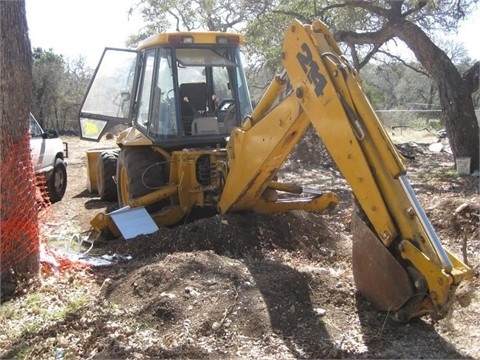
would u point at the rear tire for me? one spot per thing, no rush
(106, 170)
(140, 170)
(57, 183)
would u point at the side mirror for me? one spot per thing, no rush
(50, 134)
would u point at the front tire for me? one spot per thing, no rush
(57, 183)
(140, 171)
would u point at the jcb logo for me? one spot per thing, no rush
(311, 69)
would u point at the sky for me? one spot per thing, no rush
(76, 28)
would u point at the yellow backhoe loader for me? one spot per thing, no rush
(194, 141)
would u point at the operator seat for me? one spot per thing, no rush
(193, 103)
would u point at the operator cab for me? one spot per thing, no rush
(178, 89)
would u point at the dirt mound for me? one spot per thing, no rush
(238, 236)
(456, 220)
(193, 295)
(244, 279)
(280, 285)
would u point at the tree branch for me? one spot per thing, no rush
(361, 4)
(420, 6)
(399, 59)
(293, 14)
(376, 37)
(395, 7)
(370, 54)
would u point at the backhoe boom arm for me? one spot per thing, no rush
(326, 93)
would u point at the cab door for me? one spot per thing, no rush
(109, 97)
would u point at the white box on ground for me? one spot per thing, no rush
(463, 165)
(133, 221)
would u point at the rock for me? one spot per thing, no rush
(191, 292)
(168, 295)
(435, 147)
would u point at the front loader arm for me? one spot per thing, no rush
(399, 263)
(258, 149)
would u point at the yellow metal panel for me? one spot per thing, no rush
(92, 158)
(256, 154)
(154, 196)
(168, 216)
(329, 91)
(103, 222)
(319, 98)
(439, 282)
(328, 200)
(133, 137)
(183, 173)
(269, 97)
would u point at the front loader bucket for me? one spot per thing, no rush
(378, 275)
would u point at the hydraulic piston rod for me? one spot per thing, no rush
(439, 250)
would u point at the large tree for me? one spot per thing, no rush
(367, 27)
(19, 233)
(455, 96)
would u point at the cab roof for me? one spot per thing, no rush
(192, 37)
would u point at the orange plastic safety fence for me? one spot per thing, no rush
(42, 198)
(24, 202)
(19, 231)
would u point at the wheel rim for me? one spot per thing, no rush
(58, 180)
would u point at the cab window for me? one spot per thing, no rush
(35, 129)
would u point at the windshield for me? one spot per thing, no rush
(192, 92)
(202, 57)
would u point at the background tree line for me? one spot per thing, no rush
(58, 87)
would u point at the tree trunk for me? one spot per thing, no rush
(459, 114)
(19, 232)
(472, 77)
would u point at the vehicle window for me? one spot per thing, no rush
(222, 87)
(226, 94)
(243, 93)
(35, 128)
(202, 57)
(146, 88)
(110, 92)
(164, 114)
